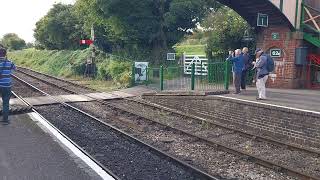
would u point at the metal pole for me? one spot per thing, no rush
(193, 70)
(161, 78)
(302, 16)
(201, 73)
(147, 73)
(133, 78)
(227, 75)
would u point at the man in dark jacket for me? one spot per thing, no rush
(6, 68)
(237, 68)
(247, 65)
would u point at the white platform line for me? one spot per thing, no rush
(94, 166)
(274, 105)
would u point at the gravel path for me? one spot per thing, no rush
(184, 147)
(125, 158)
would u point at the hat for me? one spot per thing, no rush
(258, 50)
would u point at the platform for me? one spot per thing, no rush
(292, 98)
(28, 152)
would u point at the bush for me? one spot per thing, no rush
(120, 71)
(72, 63)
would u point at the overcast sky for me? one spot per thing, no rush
(20, 16)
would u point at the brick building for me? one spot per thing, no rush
(289, 31)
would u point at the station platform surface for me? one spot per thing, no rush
(293, 98)
(27, 152)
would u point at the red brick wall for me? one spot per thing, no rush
(286, 70)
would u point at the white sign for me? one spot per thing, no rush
(171, 56)
(198, 60)
(141, 69)
(275, 52)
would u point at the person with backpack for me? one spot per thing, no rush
(264, 66)
(6, 67)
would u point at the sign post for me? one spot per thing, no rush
(140, 73)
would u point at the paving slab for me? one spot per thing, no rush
(292, 98)
(102, 96)
(29, 153)
(134, 91)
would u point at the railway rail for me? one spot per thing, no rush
(87, 131)
(222, 146)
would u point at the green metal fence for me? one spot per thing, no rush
(198, 77)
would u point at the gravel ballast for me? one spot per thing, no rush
(121, 155)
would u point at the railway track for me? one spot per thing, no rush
(239, 152)
(124, 154)
(292, 160)
(67, 86)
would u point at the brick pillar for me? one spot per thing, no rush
(287, 74)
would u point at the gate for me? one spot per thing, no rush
(195, 74)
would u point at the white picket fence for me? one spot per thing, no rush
(188, 60)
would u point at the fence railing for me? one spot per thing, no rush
(216, 78)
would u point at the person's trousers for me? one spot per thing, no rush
(237, 81)
(244, 79)
(6, 94)
(261, 87)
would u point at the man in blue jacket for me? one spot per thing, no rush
(237, 67)
(6, 68)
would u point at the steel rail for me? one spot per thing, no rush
(65, 136)
(245, 134)
(253, 158)
(47, 82)
(121, 132)
(53, 77)
(258, 160)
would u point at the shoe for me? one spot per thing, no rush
(236, 93)
(260, 99)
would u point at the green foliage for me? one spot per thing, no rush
(227, 29)
(120, 71)
(148, 26)
(60, 29)
(68, 63)
(13, 42)
(190, 49)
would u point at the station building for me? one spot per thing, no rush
(289, 30)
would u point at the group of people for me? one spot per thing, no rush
(242, 63)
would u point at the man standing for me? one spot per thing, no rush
(237, 67)
(247, 65)
(262, 73)
(6, 68)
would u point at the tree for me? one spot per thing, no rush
(59, 29)
(226, 29)
(13, 42)
(149, 25)
(89, 14)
